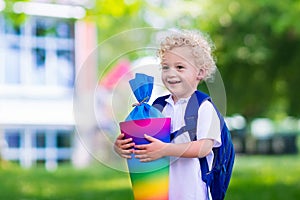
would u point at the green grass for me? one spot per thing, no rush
(265, 177)
(254, 177)
(66, 183)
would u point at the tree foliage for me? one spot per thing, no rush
(113, 17)
(257, 44)
(257, 51)
(15, 18)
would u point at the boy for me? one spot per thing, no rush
(186, 60)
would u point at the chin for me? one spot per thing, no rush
(178, 96)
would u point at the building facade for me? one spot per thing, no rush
(39, 61)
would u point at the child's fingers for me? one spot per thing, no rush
(121, 142)
(127, 145)
(140, 155)
(121, 138)
(125, 141)
(143, 158)
(126, 153)
(141, 146)
(140, 152)
(126, 156)
(149, 138)
(124, 147)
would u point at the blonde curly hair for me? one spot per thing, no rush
(201, 46)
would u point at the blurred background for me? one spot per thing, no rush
(57, 52)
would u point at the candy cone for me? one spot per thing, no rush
(150, 180)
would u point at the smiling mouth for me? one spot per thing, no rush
(173, 82)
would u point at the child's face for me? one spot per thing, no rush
(179, 73)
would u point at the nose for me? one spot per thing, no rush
(171, 72)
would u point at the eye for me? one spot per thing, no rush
(179, 67)
(165, 67)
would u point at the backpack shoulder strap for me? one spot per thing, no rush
(191, 113)
(160, 102)
(203, 161)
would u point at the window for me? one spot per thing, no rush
(13, 138)
(40, 52)
(40, 139)
(12, 29)
(64, 30)
(63, 139)
(47, 146)
(41, 28)
(40, 57)
(12, 68)
(65, 69)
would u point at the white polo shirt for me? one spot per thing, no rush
(185, 182)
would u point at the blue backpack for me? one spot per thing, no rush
(219, 177)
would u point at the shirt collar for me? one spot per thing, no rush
(180, 101)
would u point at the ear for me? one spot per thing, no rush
(201, 74)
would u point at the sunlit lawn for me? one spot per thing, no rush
(66, 183)
(265, 177)
(254, 177)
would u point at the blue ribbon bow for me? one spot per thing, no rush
(142, 86)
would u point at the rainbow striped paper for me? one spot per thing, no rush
(150, 180)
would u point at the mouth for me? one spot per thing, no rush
(173, 82)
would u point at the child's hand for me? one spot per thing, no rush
(124, 147)
(152, 151)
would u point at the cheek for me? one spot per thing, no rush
(162, 77)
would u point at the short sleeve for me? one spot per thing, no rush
(208, 125)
